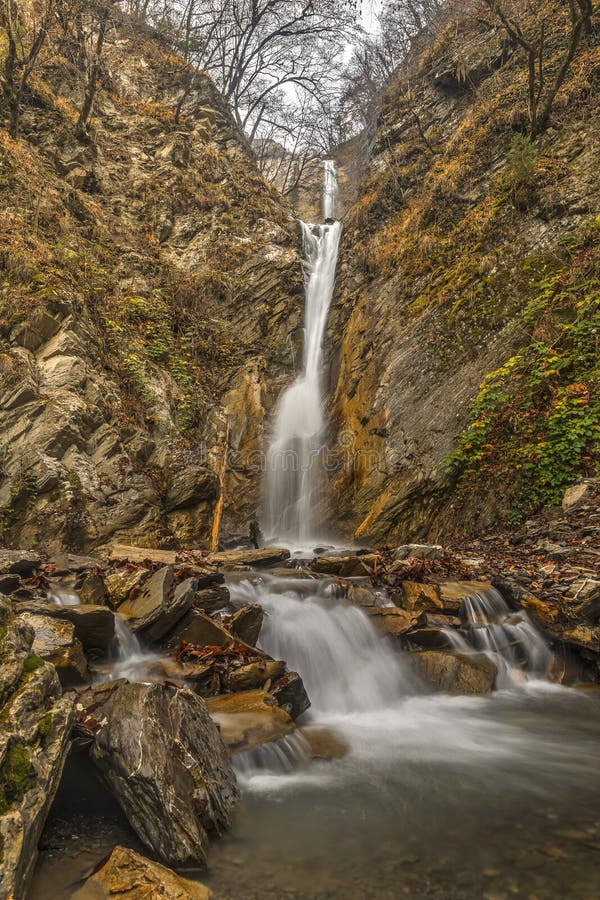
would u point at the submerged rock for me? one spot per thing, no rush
(34, 741)
(163, 759)
(126, 875)
(249, 719)
(456, 673)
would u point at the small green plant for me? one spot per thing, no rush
(16, 775)
(518, 181)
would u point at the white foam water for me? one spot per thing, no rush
(509, 639)
(294, 463)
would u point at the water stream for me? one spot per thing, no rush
(294, 464)
(459, 798)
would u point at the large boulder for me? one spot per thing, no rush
(456, 673)
(94, 625)
(19, 562)
(123, 584)
(126, 875)
(55, 642)
(34, 742)
(157, 608)
(163, 759)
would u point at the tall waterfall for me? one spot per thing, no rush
(294, 464)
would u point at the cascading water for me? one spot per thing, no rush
(131, 659)
(294, 460)
(509, 639)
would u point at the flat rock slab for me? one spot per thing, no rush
(249, 719)
(128, 876)
(142, 554)
(265, 556)
(161, 756)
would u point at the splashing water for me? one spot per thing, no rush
(509, 639)
(294, 464)
(132, 661)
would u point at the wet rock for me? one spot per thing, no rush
(361, 596)
(159, 605)
(249, 719)
(290, 694)
(266, 556)
(254, 675)
(91, 589)
(418, 551)
(120, 585)
(211, 599)
(428, 638)
(246, 623)
(455, 673)
(395, 622)
(128, 876)
(421, 597)
(454, 592)
(94, 625)
(19, 562)
(347, 566)
(161, 756)
(34, 742)
(55, 642)
(197, 628)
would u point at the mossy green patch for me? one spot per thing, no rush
(535, 423)
(16, 776)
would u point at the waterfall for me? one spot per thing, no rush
(509, 639)
(132, 661)
(294, 464)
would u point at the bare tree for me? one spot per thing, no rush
(92, 45)
(26, 31)
(528, 26)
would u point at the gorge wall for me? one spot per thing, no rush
(465, 382)
(149, 281)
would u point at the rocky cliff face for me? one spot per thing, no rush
(465, 380)
(149, 279)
